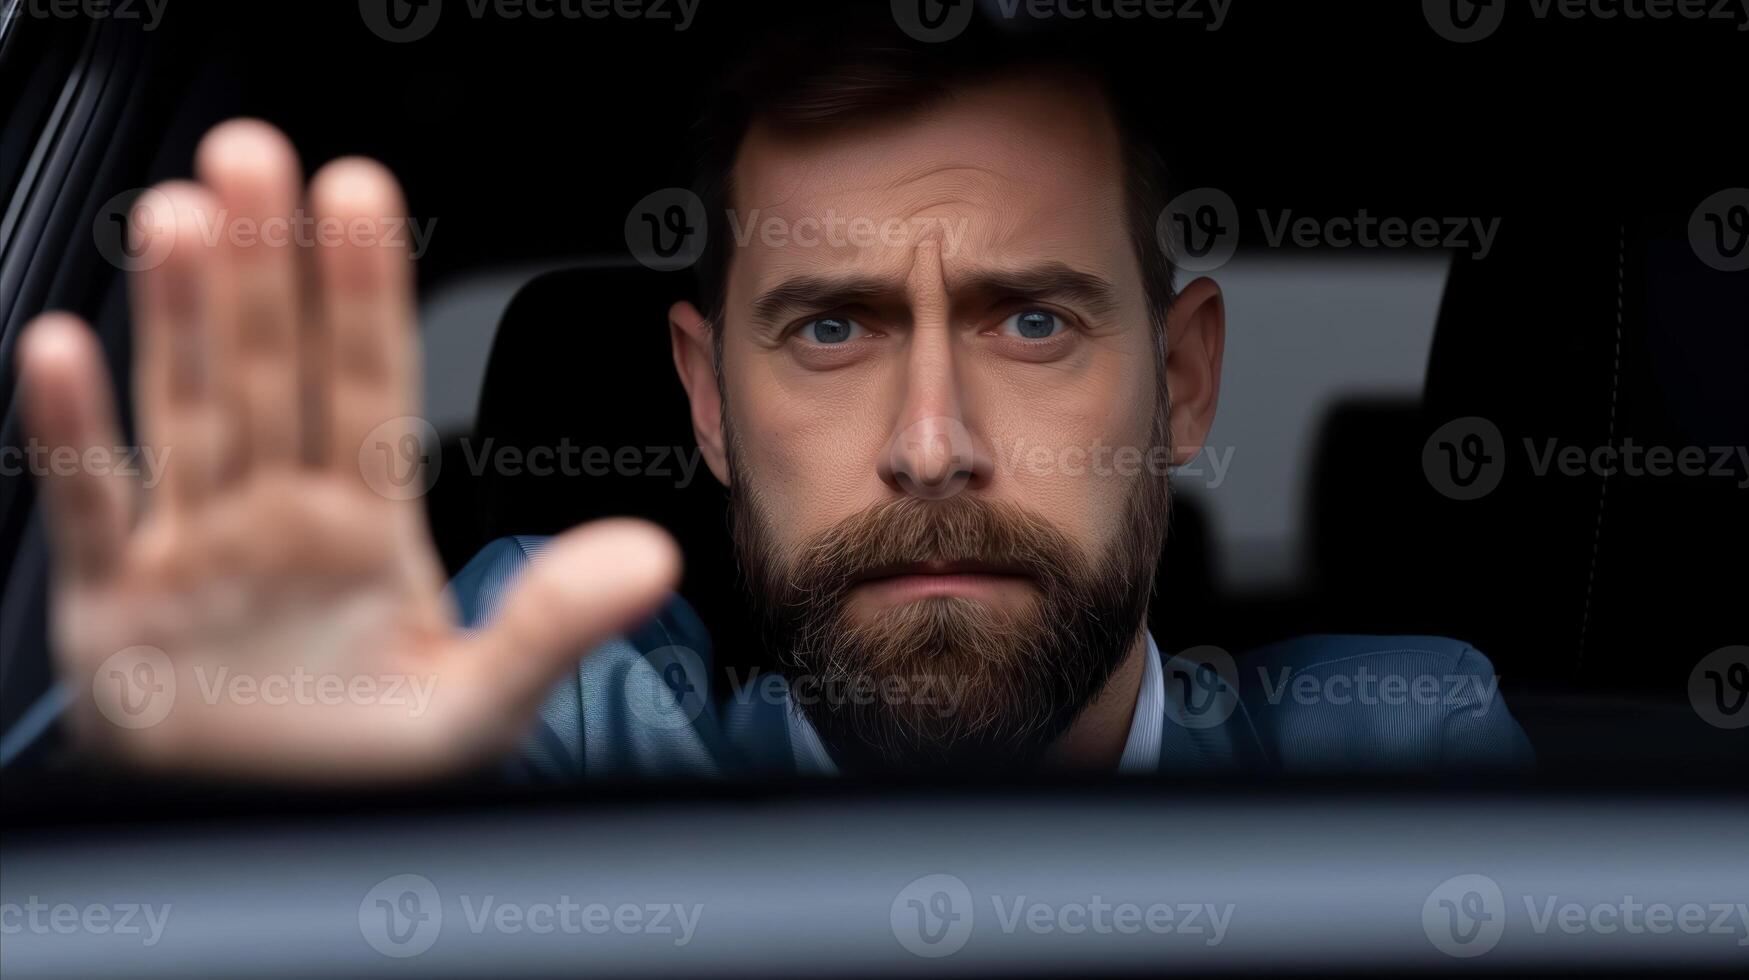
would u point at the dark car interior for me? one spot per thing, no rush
(1592, 321)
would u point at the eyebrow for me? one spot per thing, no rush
(816, 293)
(1044, 281)
(1050, 280)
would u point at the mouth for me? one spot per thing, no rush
(912, 581)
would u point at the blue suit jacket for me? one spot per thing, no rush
(640, 706)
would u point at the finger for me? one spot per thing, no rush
(366, 283)
(70, 413)
(591, 583)
(253, 171)
(177, 390)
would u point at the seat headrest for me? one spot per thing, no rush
(1581, 332)
(584, 415)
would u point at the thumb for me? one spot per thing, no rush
(591, 583)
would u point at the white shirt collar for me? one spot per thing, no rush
(1141, 751)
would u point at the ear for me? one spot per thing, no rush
(1196, 337)
(695, 361)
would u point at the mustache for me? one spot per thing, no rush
(962, 529)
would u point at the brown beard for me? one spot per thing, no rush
(948, 682)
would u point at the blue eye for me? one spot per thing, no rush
(1033, 324)
(831, 330)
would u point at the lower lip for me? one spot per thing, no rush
(971, 585)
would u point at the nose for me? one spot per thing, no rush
(932, 453)
(932, 457)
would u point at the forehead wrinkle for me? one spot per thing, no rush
(968, 174)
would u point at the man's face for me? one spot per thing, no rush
(915, 364)
(944, 428)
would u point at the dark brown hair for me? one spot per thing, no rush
(812, 79)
